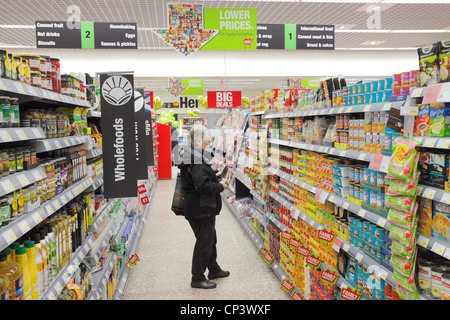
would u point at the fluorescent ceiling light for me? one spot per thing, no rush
(390, 31)
(375, 49)
(424, 2)
(17, 26)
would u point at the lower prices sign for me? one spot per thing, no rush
(224, 99)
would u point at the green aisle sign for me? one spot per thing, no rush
(290, 36)
(237, 28)
(87, 35)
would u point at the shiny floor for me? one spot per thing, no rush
(165, 252)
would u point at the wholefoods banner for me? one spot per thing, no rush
(140, 131)
(119, 143)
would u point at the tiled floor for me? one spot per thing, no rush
(165, 252)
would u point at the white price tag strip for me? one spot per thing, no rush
(9, 236)
(359, 257)
(423, 241)
(362, 212)
(443, 143)
(438, 248)
(445, 198)
(24, 227)
(346, 247)
(429, 193)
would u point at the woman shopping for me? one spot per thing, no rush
(202, 202)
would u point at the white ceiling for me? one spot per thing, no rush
(404, 25)
(150, 14)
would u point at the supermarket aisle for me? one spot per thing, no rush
(165, 252)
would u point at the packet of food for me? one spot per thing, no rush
(401, 165)
(444, 60)
(402, 234)
(406, 282)
(403, 249)
(428, 65)
(400, 202)
(403, 265)
(401, 218)
(405, 294)
(405, 187)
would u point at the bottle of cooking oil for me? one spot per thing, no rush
(21, 257)
(14, 246)
(4, 287)
(67, 237)
(32, 268)
(14, 272)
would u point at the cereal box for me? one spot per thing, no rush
(425, 216)
(439, 120)
(423, 120)
(440, 227)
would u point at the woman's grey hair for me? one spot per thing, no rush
(198, 134)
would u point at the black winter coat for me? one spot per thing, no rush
(201, 187)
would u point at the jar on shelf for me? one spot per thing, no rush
(14, 112)
(35, 78)
(6, 112)
(44, 80)
(18, 153)
(33, 61)
(4, 103)
(11, 66)
(12, 161)
(3, 59)
(55, 74)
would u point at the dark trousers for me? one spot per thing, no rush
(205, 252)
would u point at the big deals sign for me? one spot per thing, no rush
(224, 99)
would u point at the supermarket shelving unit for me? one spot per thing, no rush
(408, 109)
(92, 246)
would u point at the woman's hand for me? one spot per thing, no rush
(225, 185)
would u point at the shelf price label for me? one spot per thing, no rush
(432, 93)
(321, 196)
(379, 163)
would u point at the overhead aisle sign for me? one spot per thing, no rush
(295, 37)
(90, 35)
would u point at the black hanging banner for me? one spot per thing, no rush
(148, 95)
(119, 143)
(141, 138)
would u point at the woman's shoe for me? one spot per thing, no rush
(205, 284)
(221, 274)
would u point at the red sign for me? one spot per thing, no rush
(224, 99)
(142, 189)
(303, 251)
(286, 235)
(432, 93)
(294, 242)
(349, 294)
(325, 235)
(144, 200)
(286, 285)
(297, 296)
(329, 276)
(313, 261)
